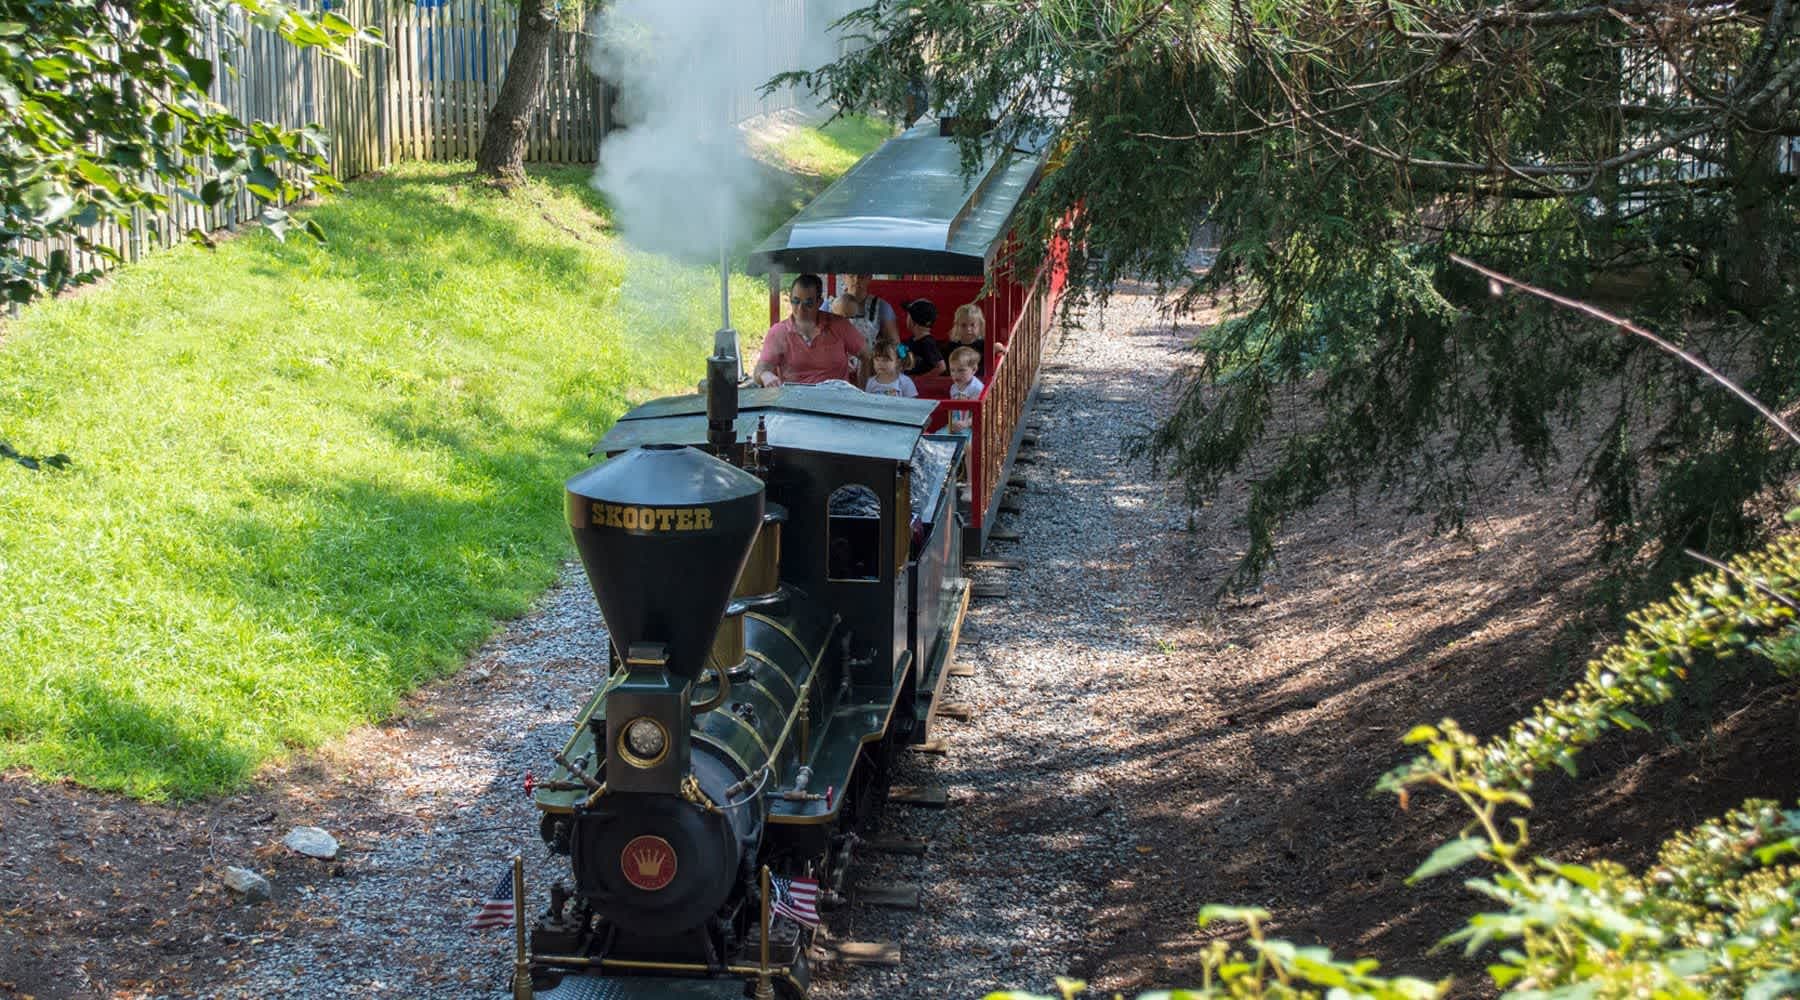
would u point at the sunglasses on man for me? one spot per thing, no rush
(802, 303)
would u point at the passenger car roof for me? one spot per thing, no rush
(828, 419)
(906, 208)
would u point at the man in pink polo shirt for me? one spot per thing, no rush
(809, 346)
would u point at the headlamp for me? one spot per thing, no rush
(644, 742)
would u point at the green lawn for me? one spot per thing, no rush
(827, 151)
(307, 478)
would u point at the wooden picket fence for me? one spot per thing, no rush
(424, 95)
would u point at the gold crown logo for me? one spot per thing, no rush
(649, 862)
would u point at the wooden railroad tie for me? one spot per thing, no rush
(929, 746)
(1009, 504)
(1003, 535)
(894, 897)
(959, 710)
(991, 589)
(962, 669)
(858, 952)
(1017, 481)
(918, 795)
(993, 564)
(1028, 440)
(1025, 458)
(909, 846)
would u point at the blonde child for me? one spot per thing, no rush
(969, 329)
(963, 385)
(886, 380)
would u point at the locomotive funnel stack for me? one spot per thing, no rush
(721, 393)
(663, 532)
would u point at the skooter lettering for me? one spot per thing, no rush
(652, 519)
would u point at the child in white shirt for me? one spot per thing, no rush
(963, 385)
(887, 380)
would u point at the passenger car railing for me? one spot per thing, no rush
(1001, 406)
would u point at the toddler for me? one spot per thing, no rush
(963, 385)
(886, 379)
(969, 329)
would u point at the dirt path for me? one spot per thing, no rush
(1137, 751)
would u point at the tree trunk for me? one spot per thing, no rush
(1752, 259)
(502, 155)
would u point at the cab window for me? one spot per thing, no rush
(853, 534)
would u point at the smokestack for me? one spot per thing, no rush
(722, 393)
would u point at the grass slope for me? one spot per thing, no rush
(308, 478)
(823, 152)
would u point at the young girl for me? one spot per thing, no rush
(887, 380)
(969, 329)
(963, 385)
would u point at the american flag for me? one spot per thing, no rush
(796, 899)
(497, 908)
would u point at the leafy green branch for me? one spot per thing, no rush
(1749, 605)
(106, 114)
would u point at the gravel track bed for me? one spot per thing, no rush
(1034, 834)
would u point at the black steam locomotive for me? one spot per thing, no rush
(780, 571)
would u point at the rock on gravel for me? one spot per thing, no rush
(312, 842)
(246, 883)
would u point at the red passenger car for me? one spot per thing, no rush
(908, 214)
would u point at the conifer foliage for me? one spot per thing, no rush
(1371, 166)
(1630, 150)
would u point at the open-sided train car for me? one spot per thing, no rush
(780, 572)
(909, 215)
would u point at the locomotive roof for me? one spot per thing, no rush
(832, 420)
(906, 208)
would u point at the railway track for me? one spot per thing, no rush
(990, 586)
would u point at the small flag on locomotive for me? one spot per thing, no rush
(796, 899)
(499, 908)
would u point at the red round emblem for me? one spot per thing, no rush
(648, 862)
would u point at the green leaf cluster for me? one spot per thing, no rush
(106, 115)
(1751, 606)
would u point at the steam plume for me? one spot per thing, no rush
(678, 175)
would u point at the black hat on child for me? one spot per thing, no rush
(922, 311)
